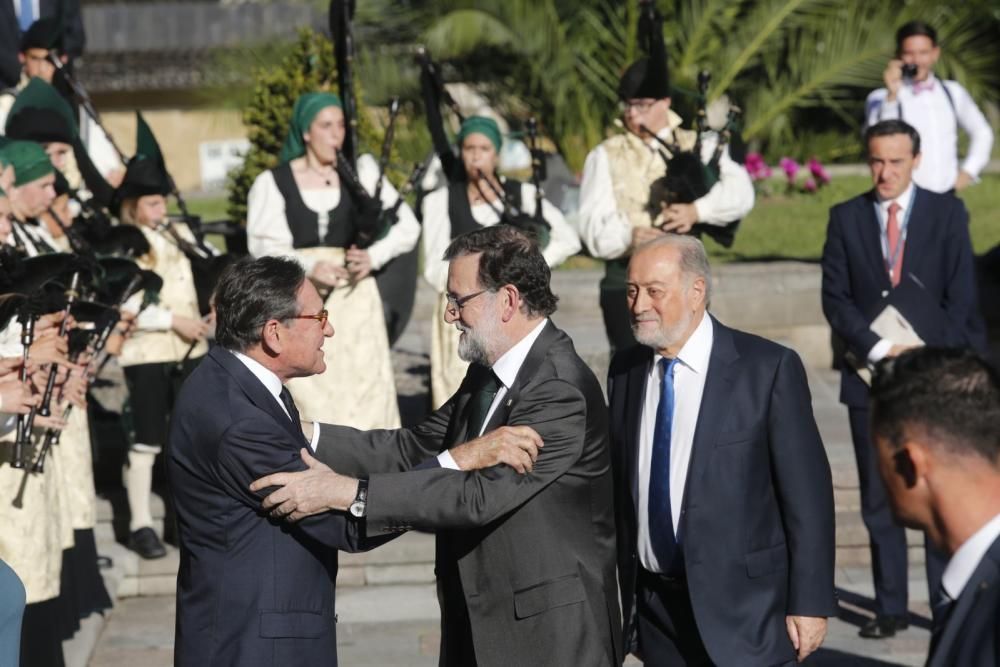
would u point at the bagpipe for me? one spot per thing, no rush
(688, 178)
(86, 291)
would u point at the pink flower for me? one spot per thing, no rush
(809, 185)
(756, 166)
(790, 167)
(818, 172)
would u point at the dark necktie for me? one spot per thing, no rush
(660, 518)
(941, 612)
(479, 404)
(293, 413)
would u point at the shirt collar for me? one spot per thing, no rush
(508, 365)
(965, 561)
(266, 376)
(696, 351)
(903, 200)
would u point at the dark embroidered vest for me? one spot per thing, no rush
(460, 211)
(341, 228)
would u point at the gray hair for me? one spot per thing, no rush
(694, 259)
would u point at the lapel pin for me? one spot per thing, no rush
(509, 402)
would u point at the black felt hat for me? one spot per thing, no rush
(41, 114)
(45, 33)
(648, 77)
(143, 177)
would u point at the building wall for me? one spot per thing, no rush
(180, 133)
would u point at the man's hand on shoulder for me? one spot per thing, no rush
(807, 634)
(516, 446)
(301, 494)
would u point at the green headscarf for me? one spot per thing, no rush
(29, 160)
(481, 125)
(305, 110)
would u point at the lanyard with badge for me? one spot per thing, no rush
(890, 259)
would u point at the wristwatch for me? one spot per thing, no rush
(360, 504)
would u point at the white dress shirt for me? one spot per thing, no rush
(689, 385)
(606, 231)
(964, 562)
(506, 369)
(905, 201)
(930, 112)
(563, 241)
(273, 385)
(268, 233)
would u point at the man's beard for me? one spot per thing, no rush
(664, 336)
(475, 345)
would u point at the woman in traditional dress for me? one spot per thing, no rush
(465, 205)
(305, 209)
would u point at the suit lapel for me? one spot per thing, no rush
(871, 240)
(985, 577)
(549, 336)
(635, 401)
(254, 389)
(917, 233)
(716, 402)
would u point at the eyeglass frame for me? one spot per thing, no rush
(455, 304)
(641, 107)
(322, 317)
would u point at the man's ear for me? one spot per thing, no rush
(272, 338)
(511, 302)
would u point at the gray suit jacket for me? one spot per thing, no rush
(525, 563)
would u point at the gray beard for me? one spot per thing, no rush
(472, 348)
(664, 336)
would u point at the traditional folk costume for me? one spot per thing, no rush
(358, 387)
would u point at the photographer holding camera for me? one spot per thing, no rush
(935, 108)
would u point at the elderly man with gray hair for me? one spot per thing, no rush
(724, 500)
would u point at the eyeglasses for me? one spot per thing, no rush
(642, 106)
(321, 317)
(456, 303)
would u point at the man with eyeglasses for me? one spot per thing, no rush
(250, 591)
(525, 561)
(614, 216)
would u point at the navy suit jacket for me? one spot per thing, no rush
(251, 591)
(757, 519)
(10, 35)
(971, 636)
(937, 256)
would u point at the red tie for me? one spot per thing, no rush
(895, 244)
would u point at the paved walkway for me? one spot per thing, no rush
(398, 624)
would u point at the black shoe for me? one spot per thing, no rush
(145, 543)
(883, 627)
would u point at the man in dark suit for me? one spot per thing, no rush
(723, 490)
(525, 562)
(907, 247)
(935, 420)
(17, 16)
(252, 591)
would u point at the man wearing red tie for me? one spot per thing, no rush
(907, 248)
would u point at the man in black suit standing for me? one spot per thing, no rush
(252, 591)
(724, 496)
(902, 246)
(525, 562)
(935, 419)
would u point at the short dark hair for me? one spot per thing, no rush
(509, 257)
(914, 29)
(251, 292)
(886, 128)
(951, 396)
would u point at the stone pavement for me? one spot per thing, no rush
(396, 623)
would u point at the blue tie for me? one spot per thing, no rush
(661, 523)
(27, 15)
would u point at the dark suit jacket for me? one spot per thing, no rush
(251, 591)
(757, 519)
(937, 254)
(971, 636)
(531, 556)
(10, 35)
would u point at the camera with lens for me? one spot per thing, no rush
(909, 70)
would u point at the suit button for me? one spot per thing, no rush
(885, 293)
